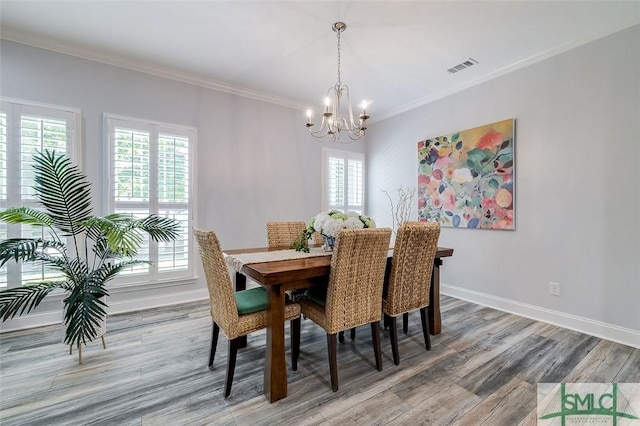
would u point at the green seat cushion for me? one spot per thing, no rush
(317, 294)
(252, 300)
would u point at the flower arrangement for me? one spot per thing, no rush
(329, 225)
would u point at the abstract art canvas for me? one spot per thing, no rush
(466, 179)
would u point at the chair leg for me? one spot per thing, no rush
(234, 344)
(104, 343)
(79, 353)
(425, 328)
(377, 348)
(341, 336)
(353, 333)
(405, 322)
(333, 360)
(214, 343)
(295, 343)
(393, 334)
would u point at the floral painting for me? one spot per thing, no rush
(465, 179)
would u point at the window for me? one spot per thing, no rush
(150, 166)
(25, 129)
(343, 180)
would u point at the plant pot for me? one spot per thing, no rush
(102, 330)
(329, 242)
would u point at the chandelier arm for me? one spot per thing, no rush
(351, 122)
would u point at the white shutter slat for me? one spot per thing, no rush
(25, 130)
(151, 171)
(343, 186)
(3, 187)
(37, 134)
(335, 181)
(3, 160)
(173, 169)
(175, 255)
(131, 165)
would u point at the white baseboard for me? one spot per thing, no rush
(32, 320)
(55, 316)
(157, 301)
(600, 329)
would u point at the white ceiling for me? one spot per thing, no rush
(394, 53)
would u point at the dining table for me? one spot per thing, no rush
(280, 269)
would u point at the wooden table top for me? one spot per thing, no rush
(291, 270)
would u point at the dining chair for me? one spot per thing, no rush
(237, 313)
(283, 234)
(353, 295)
(407, 288)
(317, 238)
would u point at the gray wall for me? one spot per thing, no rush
(577, 187)
(577, 154)
(255, 161)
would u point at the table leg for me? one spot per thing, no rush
(435, 320)
(275, 368)
(240, 283)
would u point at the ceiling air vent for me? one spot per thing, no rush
(466, 64)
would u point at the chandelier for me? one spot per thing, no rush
(338, 119)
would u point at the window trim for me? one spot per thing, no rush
(153, 277)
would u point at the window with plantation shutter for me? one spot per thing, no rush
(25, 129)
(151, 173)
(343, 181)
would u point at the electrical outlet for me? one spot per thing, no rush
(554, 289)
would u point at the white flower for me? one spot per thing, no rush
(331, 224)
(320, 220)
(354, 223)
(332, 228)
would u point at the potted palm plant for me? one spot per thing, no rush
(84, 251)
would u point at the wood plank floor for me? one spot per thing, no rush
(482, 369)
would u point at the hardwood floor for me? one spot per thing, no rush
(482, 369)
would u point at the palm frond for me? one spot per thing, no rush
(63, 190)
(26, 216)
(19, 249)
(124, 241)
(28, 249)
(101, 249)
(85, 310)
(159, 228)
(97, 227)
(75, 269)
(118, 231)
(20, 300)
(107, 272)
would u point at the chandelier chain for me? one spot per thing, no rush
(339, 80)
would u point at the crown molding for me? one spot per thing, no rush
(18, 36)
